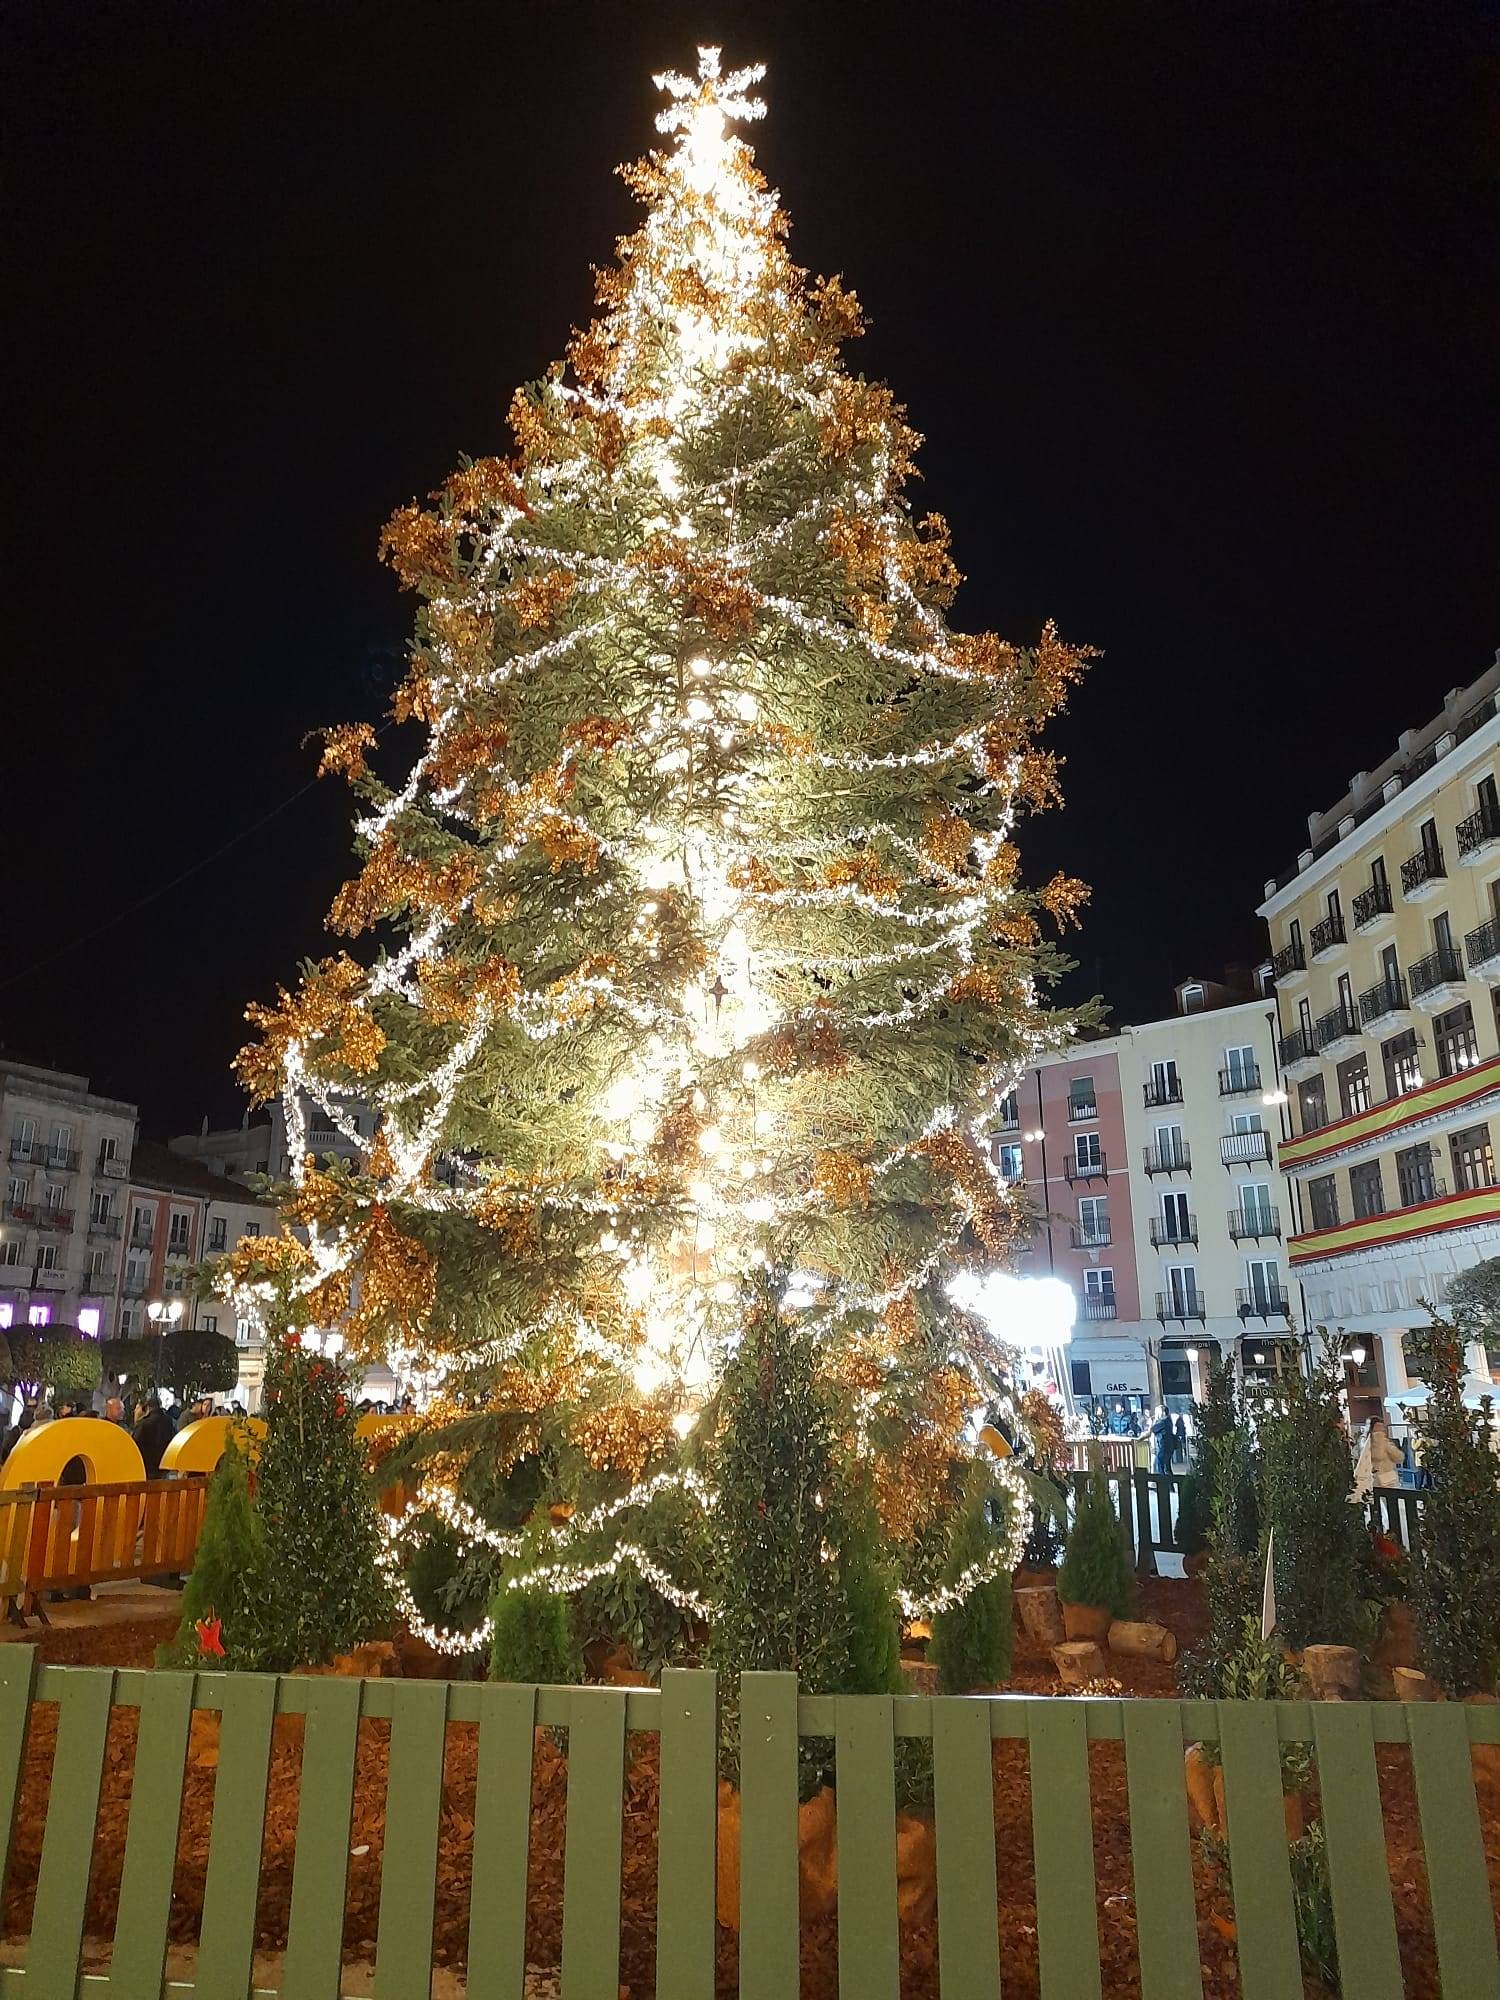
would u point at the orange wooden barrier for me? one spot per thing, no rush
(81, 1535)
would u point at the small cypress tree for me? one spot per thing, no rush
(971, 1642)
(1307, 1478)
(225, 1583)
(322, 1592)
(1095, 1568)
(869, 1592)
(1455, 1574)
(534, 1638)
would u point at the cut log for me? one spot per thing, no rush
(1147, 1641)
(1413, 1685)
(916, 1867)
(1087, 1621)
(1041, 1614)
(1079, 1661)
(1332, 1672)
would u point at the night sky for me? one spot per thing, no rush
(1194, 304)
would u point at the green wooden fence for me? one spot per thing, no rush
(1057, 1734)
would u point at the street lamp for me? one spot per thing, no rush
(170, 1310)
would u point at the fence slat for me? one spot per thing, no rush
(320, 1872)
(17, 1680)
(687, 1832)
(408, 1855)
(769, 1938)
(964, 1812)
(591, 1855)
(1067, 1930)
(1462, 1925)
(140, 1954)
(68, 1843)
(1265, 1926)
(502, 1839)
(1363, 1920)
(231, 1886)
(869, 1928)
(1161, 1857)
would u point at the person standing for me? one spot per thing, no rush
(1161, 1441)
(1179, 1441)
(153, 1432)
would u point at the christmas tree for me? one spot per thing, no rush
(700, 943)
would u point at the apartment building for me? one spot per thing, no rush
(1386, 953)
(1150, 1155)
(258, 1144)
(67, 1153)
(180, 1214)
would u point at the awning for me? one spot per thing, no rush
(1125, 1376)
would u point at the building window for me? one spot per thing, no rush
(1365, 1191)
(1432, 849)
(24, 1142)
(18, 1192)
(10, 1252)
(1240, 1069)
(53, 1197)
(1354, 1086)
(1455, 1041)
(1312, 1104)
(1403, 1066)
(141, 1227)
(1192, 999)
(1323, 1202)
(46, 1256)
(62, 1142)
(252, 1229)
(1378, 878)
(1086, 1150)
(217, 1233)
(1010, 1112)
(1415, 1177)
(127, 1322)
(1176, 1223)
(179, 1230)
(1473, 1158)
(1081, 1100)
(1093, 1219)
(1182, 1290)
(1304, 1021)
(1294, 938)
(210, 1322)
(1255, 1207)
(99, 1207)
(1009, 1160)
(39, 1315)
(1099, 1283)
(1262, 1283)
(97, 1261)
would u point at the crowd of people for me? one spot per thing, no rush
(153, 1424)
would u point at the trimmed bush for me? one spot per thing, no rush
(1095, 1568)
(971, 1642)
(225, 1579)
(534, 1638)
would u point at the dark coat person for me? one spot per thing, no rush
(152, 1435)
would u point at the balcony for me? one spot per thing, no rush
(54, 1218)
(1245, 1149)
(99, 1284)
(1326, 940)
(1385, 1008)
(136, 1284)
(1176, 1159)
(20, 1211)
(24, 1151)
(109, 1168)
(1265, 1302)
(178, 1247)
(1337, 1033)
(1288, 965)
(49, 1280)
(141, 1239)
(1423, 874)
(104, 1225)
(1098, 1305)
(1436, 981)
(1477, 836)
(1079, 1111)
(1168, 1233)
(60, 1159)
(1180, 1305)
(1239, 1082)
(1299, 1054)
(1162, 1090)
(1371, 909)
(1482, 950)
(1075, 1170)
(1092, 1239)
(1255, 1225)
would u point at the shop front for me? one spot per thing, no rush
(1111, 1387)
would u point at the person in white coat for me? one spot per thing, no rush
(1379, 1461)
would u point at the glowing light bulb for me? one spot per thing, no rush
(750, 1071)
(746, 707)
(701, 668)
(710, 1140)
(623, 1097)
(685, 1422)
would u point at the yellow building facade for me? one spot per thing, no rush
(1385, 945)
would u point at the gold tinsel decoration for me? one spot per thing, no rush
(1062, 899)
(842, 1179)
(863, 872)
(417, 546)
(487, 483)
(535, 601)
(462, 752)
(984, 986)
(324, 1009)
(398, 1284)
(454, 992)
(603, 734)
(945, 840)
(926, 564)
(344, 748)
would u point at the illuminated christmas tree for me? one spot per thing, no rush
(700, 941)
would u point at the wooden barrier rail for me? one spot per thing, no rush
(862, 1732)
(69, 1537)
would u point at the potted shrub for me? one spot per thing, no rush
(1094, 1584)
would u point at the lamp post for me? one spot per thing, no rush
(164, 1315)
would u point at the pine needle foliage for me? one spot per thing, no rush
(1307, 1482)
(226, 1577)
(971, 1641)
